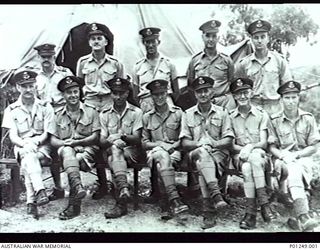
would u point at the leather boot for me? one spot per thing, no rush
(216, 196)
(307, 223)
(70, 212)
(267, 213)
(56, 194)
(75, 183)
(124, 194)
(117, 211)
(42, 198)
(248, 221)
(263, 201)
(33, 210)
(209, 220)
(177, 206)
(219, 201)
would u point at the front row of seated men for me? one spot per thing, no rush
(206, 133)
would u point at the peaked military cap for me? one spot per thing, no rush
(25, 76)
(157, 86)
(45, 49)
(210, 26)
(150, 33)
(118, 84)
(259, 26)
(290, 86)
(97, 29)
(202, 82)
(70, 81)
(240, 84)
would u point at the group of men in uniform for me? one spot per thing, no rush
(236, 120)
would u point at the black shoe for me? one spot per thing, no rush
(178, 207)
(188, 193)
(42, 198)
(307, 223)
(248, 221)
(56, 194)
(80, 192)
(33, 210)
(266, 213)
(116, 212)
(100, 193)
(219, 201)
(285, 199)
(124, 194)
(152, 197)
(209, 220)
(70, 212)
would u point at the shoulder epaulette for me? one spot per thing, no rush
(140, 60)
(84, 57)
(14, 105)
(276, 115)
(58, 110)
(106, 110)
(61, 68)
(113, 58)
(90, 105)
(197, 54)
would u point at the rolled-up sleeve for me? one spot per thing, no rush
(185, 129)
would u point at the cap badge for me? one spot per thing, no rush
(25, 75)
(118, 82)
(94, 26)
(201, 81)
(148, 32)
(259, 24)
(157, 85)
(68, 80)
(291, 85)
(239, 82)
(213, 24)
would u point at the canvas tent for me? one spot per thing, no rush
(24, 27)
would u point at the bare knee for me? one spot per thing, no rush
(117, 153)
(246, 170)
(67, 152)
(201, 154)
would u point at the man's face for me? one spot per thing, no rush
(160, 98)
(290, 101)
(260, 40)
(27, 90)
(72, 95)
(97, 42)
(243, 97)
(119, 97)
(151, 45)
(203, 95)
(47, 60)
(210, 39)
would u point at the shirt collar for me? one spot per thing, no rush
(64, 110)
(253, 110)
(254, 58)
(212, 109)
(300, 114)
(171, 109)
(91, 58)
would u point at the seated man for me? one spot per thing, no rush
(206, 133)
(75, 137)
(29, 122)
(160, 137)
(293, 141)
(121, 126)
(250, 127)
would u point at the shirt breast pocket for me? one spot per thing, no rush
(220, 71)
(22, 124)
(64, 130)
(163, 73)
(38, 122)
(89, 75)
(109, 73)
(200, 70)
(285, 137)
(173, 130)
(272, 75)
(195, 127)
(127, 127)
(254, 136)
(215, 127)
(84, 127)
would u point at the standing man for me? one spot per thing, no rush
(250, 127)
(293, 141)
(97, 68)
(267, 69)
(153, 66)
(121, 126)
(160, 137)
(207, 134)
(30, 124)
(47, 82)
(76, 137)
(213, 64)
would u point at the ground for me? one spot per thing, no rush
(145, 219)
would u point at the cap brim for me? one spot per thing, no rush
(26, 81)
(151, 37)
(46, 53)
(118, 89)
(97, 32)
(289, 91)
(158, 91)
(211, 30)
(259, 30)
(203, 86)
(241, 88)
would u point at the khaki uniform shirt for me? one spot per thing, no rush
(17, 117)
(302, 133)
(195, 126)
(87, 123)
(158, 128)
(95, 75)
(220, 68)
(247, 129)
(47, 85)
(267, 77)
(144, 73)
(128, 122)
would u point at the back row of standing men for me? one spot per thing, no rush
(207, 132)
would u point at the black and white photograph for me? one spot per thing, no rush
(196, 118)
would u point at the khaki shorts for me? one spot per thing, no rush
(175, 157)
(131, 153)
